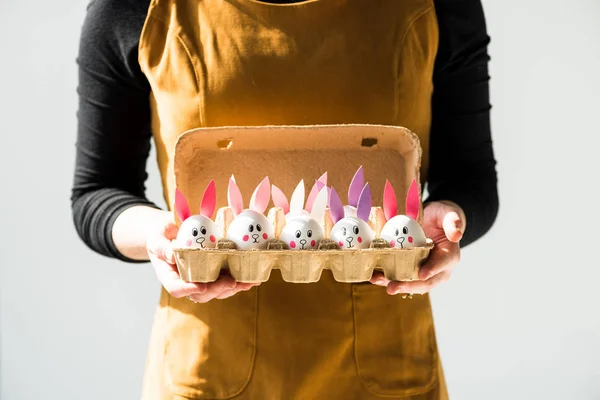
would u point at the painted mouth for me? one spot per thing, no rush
(200, 241)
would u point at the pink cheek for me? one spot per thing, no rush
(265, 236)
(392, 243)
(188, 243)
(359, 239)
(312, 243)
(410, 239)
(245, 238)
(341, 243)
(212, 238)
(293, 244)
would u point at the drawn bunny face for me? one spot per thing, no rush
(352, 232)
(197, 231)
(250, 229)
(402, 231)
(303, 230)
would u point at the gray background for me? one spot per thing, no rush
(518, 320)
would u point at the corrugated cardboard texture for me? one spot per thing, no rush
(287, 154)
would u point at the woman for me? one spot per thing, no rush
(157, 69)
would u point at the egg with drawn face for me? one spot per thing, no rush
(352, 233)
(302, 233)
(250, 230)
(403, 232)
(198, 232)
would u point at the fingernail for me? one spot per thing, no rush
(398, 290)
(230, 285)
(202, 288)
(379, 281)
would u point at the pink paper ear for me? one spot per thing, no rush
(319, 184)
(412, 201)
(209, 200)
(279, 199)
(390, 204)
(182, 207)
(335, 206)
(356, 187)
(234, 197)
(261, 196)
(363, 208)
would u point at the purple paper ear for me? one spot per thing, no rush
(390, 204)
(412, 201)
(209, 200)
(279, 199)
(335, 206)
(356, 187)
(182, 207)
(234, 197)
(363, 209)
(261, 196)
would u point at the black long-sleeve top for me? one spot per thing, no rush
(114, 120)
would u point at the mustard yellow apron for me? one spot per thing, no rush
(243, 62)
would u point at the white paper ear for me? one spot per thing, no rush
(297, 200)
(318, 208)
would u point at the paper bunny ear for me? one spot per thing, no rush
(261, 196)
(356, 187)
(182, 208)
(318, 208)
(234, 197)
(209, 200)
(390, 204)
(279, 199)
(335, 206)
(297, 200)
(363, 208)
(319, 184)
(412, 201)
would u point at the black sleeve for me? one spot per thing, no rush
(462, 165)
(113, 134)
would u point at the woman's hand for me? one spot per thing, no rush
(159, 247)
(444, 223)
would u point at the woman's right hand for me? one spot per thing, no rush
(160, 251)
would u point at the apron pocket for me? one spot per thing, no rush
(395, 348)
(210, 347)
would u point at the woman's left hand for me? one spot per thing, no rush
(444, 223)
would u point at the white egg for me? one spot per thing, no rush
(250, 230)
(352, 233)
(302, 233)
(403, 232)
(198, 232)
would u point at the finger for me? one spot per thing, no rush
(214, 289)
(168, 276)
(453, 226)
(379, 279)
(442, 257)
(161, 247)
(418, 287)
(240, 287)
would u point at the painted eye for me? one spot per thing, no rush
(203, 230)
(250, 228)
(396, 232)
(309, 233)
(298, 234)
(344, 231)
(194, 232)
(405, 230)
(258, 227)
(355, 230)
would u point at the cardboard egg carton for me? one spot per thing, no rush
(287, 154)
